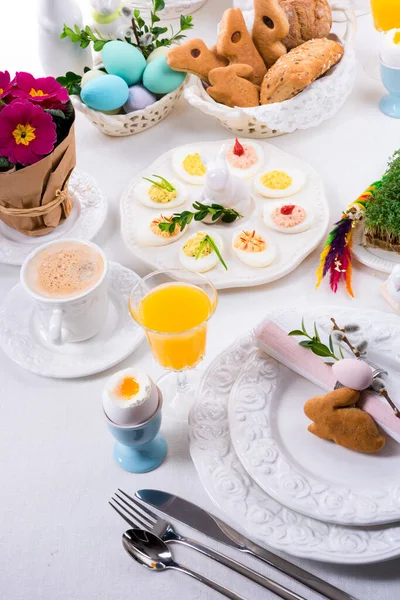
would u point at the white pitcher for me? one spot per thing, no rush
(59, 56)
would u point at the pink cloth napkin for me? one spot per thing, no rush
(275, 341)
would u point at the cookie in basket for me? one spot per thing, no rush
(235, 43)
(271, 26)
(194, 57)
(294, 71)
(231, 86)
(336, 417)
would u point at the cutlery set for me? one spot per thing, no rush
(150, 535)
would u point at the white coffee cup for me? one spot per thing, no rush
(76, 318)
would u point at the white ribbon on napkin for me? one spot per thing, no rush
(275, 341)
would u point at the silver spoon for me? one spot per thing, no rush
(150, 551)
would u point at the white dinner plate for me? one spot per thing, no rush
(269, 432)
(22, 339)
(246, 505)
(292, 248)
(86, 218)
(380, 260)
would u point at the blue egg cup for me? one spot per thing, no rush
(390, 104)
(140, 448)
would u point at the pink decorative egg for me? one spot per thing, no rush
(353, 374)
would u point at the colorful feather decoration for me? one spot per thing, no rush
(336, 257)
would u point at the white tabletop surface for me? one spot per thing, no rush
(59, 538)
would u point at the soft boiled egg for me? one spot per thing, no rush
(197, 254)
(150, 234)
(288, 218)
(390, 51)
(253, 249)
(188, 165)
(130, 397)
(279, 183)
(157, 192)
(245, 158)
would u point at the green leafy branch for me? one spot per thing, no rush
(201, 211)
(72, 82)
(209, 240)
(84, 37)
(314, 343)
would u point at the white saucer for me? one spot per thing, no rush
(22, 337)
(375, 258)
(85, 220)
(247, 506)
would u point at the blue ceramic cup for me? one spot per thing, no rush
(139, 448)
(390, 104)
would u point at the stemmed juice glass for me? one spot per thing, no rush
(173, 307)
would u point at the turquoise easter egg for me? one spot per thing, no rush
(123, 59)
(160, 79)
(105, 93)
(89, 75)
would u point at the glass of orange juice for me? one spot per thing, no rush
(386, 14)
(174, 307)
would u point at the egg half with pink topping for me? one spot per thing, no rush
(288, 218)
(244, 159)
(253, 249)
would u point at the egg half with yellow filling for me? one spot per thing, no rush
(151, 234)
(253, 249)
(130, 397)
(157, 194)
(197, 254)
(280, 183)
(188, 165)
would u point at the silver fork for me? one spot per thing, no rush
(139, 516)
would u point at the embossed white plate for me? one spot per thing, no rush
(85, 220)
(246, 505)
(292, 248)
(381, 260)
(313, 476)
(22, 339)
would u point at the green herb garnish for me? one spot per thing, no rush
(209, 240)
(144, 36)
(313, 342)
(201, 211)
(163, 184)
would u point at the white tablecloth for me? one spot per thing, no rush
(59, 539)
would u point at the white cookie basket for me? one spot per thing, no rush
(134, 122)
(319, 101)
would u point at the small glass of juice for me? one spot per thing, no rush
(386, 14)
(173, 307)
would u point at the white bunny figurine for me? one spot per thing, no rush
(221, 187)
(391, 288)
(111, 19)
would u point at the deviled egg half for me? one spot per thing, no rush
(158, 192)
(151, 234)
(288, 218)
(189, 166)
(280, 183)
(245, 158)
(199, 254)
(253, 249)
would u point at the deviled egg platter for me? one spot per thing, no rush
(225, 209)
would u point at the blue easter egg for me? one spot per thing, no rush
(105, 93)
(139, 98)
(160, 79)
(123, 59)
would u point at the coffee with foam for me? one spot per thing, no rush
(64, 270)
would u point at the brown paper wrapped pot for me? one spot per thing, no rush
(35, 199)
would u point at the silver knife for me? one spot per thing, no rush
(192, 515)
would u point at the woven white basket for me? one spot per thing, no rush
(318, 102)
(173, 8)
(134, 122)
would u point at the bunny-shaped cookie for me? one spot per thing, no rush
(335, 417)
(194, 57)
(230, 86)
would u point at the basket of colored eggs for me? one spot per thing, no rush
(128, 93)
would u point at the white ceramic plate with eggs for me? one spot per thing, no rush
(282, 252)
(312, 476)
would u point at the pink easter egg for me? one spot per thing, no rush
(353, 374)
